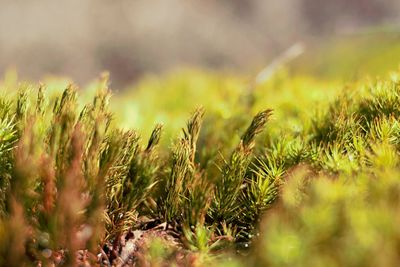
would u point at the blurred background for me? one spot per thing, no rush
(130, 38)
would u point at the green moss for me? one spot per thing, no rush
(313, 182)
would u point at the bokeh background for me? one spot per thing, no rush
(130, 38)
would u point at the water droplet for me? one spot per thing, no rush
(47, 253)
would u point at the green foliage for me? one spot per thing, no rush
(226, 207)
(8, 139)
(340, 222)
(304, 186)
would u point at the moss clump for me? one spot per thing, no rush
(301, 185)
